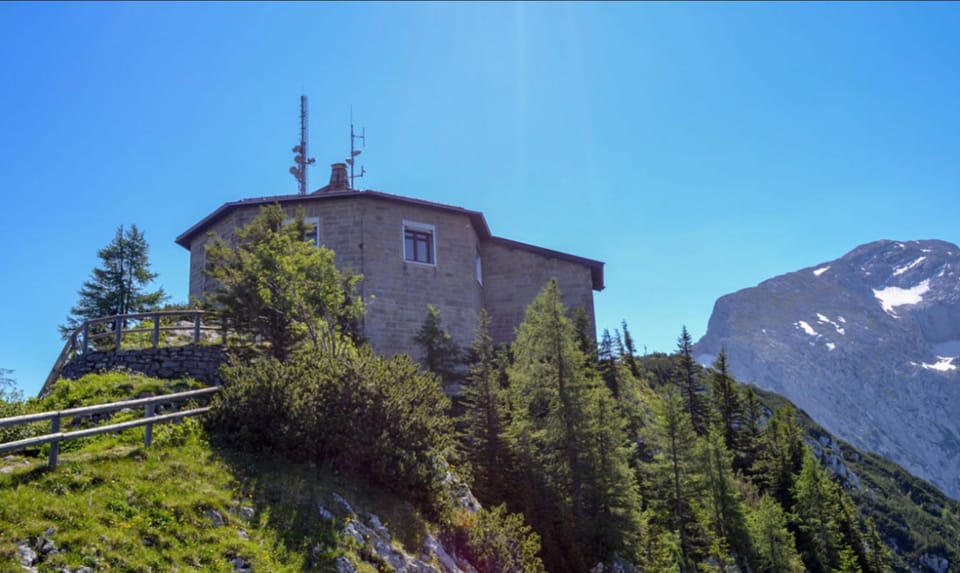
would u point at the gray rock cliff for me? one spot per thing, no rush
(868, 345)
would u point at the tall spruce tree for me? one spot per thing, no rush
(724, 513)
(485, 412)
(441, 355)
(630, 351)
(780, 455)
(565, 426)
(687, 376)
(674, 471)
(817, 513)
(119, 285)
(725, 403)
(774, 545)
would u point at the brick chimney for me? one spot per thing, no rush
(339, 181)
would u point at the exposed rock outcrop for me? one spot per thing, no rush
(868, 345)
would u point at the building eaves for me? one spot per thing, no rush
(184, 239)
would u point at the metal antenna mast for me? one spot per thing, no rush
(299, 171)
(355, 152)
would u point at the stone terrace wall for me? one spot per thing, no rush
(198, 362)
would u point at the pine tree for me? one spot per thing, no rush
(816, 513)
(441, 355)
(775, 551)
(725, 403)
(273, 285)
(688, 379)
(565, 428)
(485, 410)
(119, 286)
(630, 351)
(585, 339)
(780, 456)
(724, 513)
(674, 470)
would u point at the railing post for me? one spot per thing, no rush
(156, 330)
(148, 431)
(196, 328)
(119, 327)
(86, 336)
(223, 331)
(54, 445)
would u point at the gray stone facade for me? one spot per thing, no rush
(366, 231)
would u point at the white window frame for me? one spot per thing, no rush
(315, 221)
(479, 267)
(422, 228)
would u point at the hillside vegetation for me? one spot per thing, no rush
(584, 457)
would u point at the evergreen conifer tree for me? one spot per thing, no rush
(816, 512)
(485, 411)
(724, 515)
(630, 351)
(119, 285)
(674, 470)
(441, 355)
(725, 403)
(774, 546)
(565, 427)
(687, 377)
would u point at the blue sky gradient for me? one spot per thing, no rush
(697, 149)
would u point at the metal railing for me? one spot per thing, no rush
(79, 341)
(56, 417)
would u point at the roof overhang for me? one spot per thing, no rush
(476, 219)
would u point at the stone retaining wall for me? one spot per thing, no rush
(192, 361)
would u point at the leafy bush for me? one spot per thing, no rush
(377, 419)
(494, 540)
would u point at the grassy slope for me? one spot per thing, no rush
(117, 506)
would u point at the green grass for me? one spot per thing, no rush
(117, 506)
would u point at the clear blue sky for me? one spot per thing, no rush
(697, 149)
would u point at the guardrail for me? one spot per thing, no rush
(79, 341)
(56, 436)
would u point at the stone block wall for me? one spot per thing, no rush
(513, 277)
(193, 361)
(366, 233)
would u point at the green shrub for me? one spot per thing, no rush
(380, 420)
(494, 540)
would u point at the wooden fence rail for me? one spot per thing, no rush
(56, 436)
(78, 342)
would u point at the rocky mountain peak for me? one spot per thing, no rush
(868, 344)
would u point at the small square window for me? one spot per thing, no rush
(418, 246)
(312, 232)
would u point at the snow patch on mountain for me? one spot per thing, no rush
(840, 330)
(943, 364)
(900, 270)
(892, 296)
(802, 324)
(821, 270)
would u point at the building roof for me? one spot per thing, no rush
(476, 218)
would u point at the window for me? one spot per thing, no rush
(479, 269)
(312, 232)
(418, 244)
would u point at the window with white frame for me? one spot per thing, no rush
(419, 243)
(479, 265)
(312, 232)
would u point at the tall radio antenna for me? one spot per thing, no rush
(299, 171)
(354, 152)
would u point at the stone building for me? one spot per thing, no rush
(412, 253)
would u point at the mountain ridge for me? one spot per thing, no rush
(868, 344)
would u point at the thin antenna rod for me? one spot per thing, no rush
(354, 152)
(299, 171)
